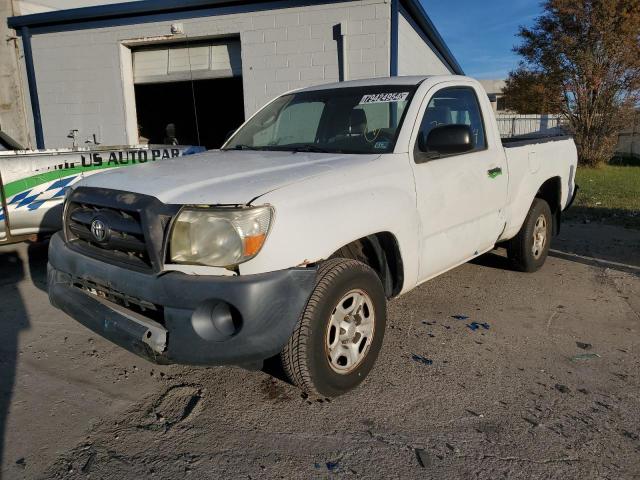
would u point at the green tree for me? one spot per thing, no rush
(589, 51)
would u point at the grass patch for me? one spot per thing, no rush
(610, 194)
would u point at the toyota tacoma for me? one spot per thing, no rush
(290, 239)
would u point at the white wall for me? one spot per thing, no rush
(415, 56)
(82, 85)
(12, 109)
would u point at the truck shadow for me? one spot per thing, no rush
(13, 319)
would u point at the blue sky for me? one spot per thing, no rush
(481, 33)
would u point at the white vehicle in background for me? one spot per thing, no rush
(289, 241)
(33, 182)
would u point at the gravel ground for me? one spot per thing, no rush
(545, 387)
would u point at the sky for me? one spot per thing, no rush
(481, 33)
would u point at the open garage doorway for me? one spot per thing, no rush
(209, 111)
(188, 94)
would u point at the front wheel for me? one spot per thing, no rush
(528, 250)
(339, 334)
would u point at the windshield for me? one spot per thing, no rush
(341, 120)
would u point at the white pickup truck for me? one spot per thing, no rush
(290, 239)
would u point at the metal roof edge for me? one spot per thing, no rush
(120, 10)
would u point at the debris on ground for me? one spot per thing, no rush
(421, 359)
(584, 356)
(562, 388)
(21, 462)
(460, 317)
(584, 346)
(333, 466)
(424, 460)
(475, 326)
(451, 447)
(475, 414)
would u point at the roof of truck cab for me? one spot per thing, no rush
(381, 81)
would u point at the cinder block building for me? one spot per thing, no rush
(120, 73)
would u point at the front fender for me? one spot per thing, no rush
(316, 217)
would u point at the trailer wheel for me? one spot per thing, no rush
(528, 250)
(339, 334)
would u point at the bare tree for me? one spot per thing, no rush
(590, 51)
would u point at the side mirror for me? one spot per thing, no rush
(447, 140)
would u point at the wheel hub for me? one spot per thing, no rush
(539, 237)
(350, 331)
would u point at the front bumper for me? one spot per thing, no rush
(205, 320)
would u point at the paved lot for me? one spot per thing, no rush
(520, 399)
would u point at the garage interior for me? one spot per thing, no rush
(188, 93)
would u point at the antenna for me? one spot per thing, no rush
(193, 92)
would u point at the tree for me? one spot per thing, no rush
(589, 50)
(528, 92)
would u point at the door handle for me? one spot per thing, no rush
(494, 172)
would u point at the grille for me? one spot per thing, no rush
(118, 227)
(124, 237)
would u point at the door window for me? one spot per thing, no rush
(455, 106)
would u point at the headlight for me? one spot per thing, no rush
(219, 237)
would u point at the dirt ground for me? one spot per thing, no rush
(546, 386)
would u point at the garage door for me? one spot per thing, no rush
(180, 62)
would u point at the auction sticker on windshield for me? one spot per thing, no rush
(384, 97)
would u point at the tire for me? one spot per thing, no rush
(306, 357)
(528, 251)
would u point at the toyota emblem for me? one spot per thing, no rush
(99, 230)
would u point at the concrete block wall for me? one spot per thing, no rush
(82, 83)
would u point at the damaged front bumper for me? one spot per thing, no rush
(198, 320)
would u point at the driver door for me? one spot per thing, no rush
(460, 197)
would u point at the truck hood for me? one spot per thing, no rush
(220, 177)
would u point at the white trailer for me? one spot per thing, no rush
(33, 182)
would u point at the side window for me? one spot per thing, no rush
(455, 106)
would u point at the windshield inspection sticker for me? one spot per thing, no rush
(381, 145)
(384, 97)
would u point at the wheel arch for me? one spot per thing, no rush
(551, 192)
(380, 251)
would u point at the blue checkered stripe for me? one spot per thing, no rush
(34, 198)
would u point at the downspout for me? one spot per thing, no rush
(33, 88)
(342, 33)
(393, 53)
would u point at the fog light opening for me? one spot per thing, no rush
(217, 321)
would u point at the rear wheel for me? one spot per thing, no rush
(528, 250)
(339, 335)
